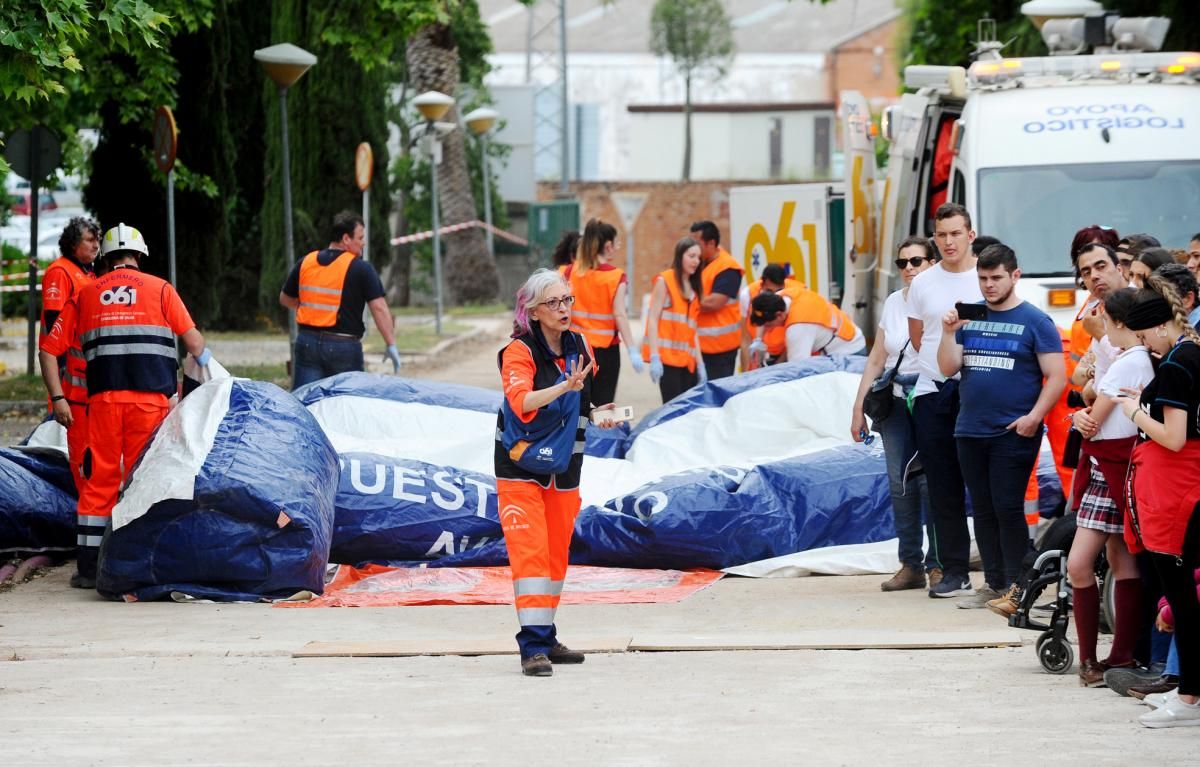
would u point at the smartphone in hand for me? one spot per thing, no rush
(971, 311)
(616, 415)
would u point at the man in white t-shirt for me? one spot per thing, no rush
(935, 404)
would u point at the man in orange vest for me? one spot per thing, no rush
(79, 245)
(126, 323)
(328, 290)
(759, 344)
(813, 325)
(720, 325)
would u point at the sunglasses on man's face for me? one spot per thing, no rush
(915, 262)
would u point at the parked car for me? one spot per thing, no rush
(22, 207)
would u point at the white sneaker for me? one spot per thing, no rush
(1175, 713)
(980, 599)
(1159, 699)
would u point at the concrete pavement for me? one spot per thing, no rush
(84, 681)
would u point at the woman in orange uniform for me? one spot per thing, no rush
(547, 372)
(600, 289)
(670, 343)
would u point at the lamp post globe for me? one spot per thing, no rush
(433, 105)
(1041, 11)
(481, 120)
(285, 64)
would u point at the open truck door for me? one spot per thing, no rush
(861, 258)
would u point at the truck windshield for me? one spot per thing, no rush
(1037, 210)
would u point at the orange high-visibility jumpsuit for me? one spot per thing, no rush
(63, 280)
(126, 323)
(537, 511)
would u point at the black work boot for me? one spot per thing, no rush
(537, 665)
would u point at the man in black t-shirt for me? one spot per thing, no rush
(328, 290)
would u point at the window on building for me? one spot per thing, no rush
(775, 161)
(822, 145)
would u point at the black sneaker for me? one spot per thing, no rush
(82, 582)
(537, 665)
(952, 586)
(1119, 680)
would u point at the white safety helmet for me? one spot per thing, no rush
(123, 238)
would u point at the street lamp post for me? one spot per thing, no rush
(480, 122)
(433, 106)
(285, 64)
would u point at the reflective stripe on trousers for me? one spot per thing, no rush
(89, 530)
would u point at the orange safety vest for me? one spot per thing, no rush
(64, 279)
(720, 331)
(321, 289)
(810, 307)
(127, 325)
(676, 329)
(774, 338)
(592, 314)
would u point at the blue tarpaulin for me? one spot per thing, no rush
(233, 500)
(37, 501)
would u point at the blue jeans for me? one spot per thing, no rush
(996, 471)
(910, 500)
(320, 355)
(1172, 668)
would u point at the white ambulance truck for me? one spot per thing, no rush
(1039, 148)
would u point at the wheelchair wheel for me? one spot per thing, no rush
(1056, 655)
(1043, 637)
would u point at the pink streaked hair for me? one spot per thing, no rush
(532, 293)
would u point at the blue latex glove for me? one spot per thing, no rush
(635, 361)
(758, 347)
(394, 355)
(204, 357)
(701, 371)
(656, 368)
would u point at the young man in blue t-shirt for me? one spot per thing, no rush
(1012, 374)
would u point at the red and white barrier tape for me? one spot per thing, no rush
(17, 288)
(428, 234)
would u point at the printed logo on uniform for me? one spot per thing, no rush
(121, 294)
(512, 517)
(546, 451)
(53, 291)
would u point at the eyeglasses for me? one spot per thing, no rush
(915, 262)
(554, 304)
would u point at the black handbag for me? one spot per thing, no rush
(877, 404)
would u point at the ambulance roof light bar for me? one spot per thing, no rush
(992, 73)
(952, 79)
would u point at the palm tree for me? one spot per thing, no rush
(470, 274)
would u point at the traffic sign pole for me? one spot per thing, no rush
(364, 168)
(33, 154)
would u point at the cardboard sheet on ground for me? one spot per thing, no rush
(379, 586)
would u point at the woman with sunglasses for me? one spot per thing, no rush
(547, 373)
(909, 496)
